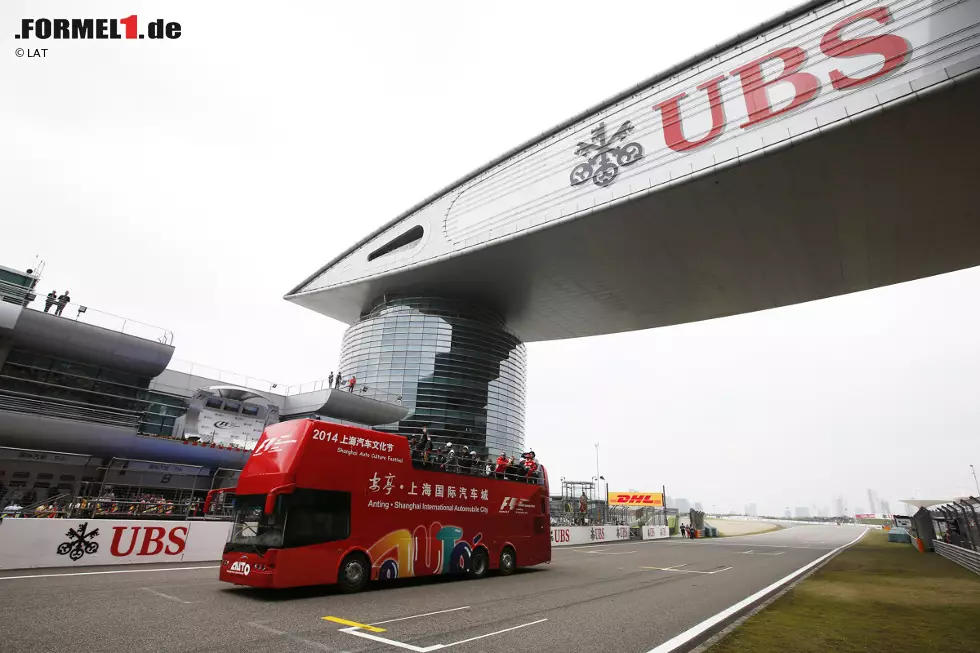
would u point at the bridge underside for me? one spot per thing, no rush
(886, 199)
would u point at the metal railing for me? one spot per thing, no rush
(958, 523)
(66, 409)
(963, 557)
(86, 314)
(269, 387)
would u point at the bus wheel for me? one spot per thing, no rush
(355, 572)
(479, 564)
(508, 561)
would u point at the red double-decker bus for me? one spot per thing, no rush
(320, 503)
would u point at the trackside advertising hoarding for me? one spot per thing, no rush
(637, 499)
(28, 543)
(655, 532)
(570, 535)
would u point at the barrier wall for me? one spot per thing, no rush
(27, 543)
(569, 535)
(655, 532)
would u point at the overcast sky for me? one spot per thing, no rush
(191, 183)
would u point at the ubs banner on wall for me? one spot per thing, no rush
(568, 535)
(27, 543)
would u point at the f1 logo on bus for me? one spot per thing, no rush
(265, 445)
(509, 504)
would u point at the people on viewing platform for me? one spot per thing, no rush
(62, 302)
(50, 300)
(351, 383)
(330, 380)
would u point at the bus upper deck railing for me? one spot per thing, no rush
(437, 461)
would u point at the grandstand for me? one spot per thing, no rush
(83, 391)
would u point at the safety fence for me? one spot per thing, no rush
(961, 556)
(123, 489)
(571, 535)
(30, 543)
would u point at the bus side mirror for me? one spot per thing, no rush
(270, 499)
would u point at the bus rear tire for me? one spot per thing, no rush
(479, 564)
(508, 561)
(354, 574)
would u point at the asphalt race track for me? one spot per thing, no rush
(624, 597)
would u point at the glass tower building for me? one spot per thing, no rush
(453, 365)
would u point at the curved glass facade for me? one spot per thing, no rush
(455, 366)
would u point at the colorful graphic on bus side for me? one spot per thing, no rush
(436, 550)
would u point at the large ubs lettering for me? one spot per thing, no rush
(150, 540)
(893, 48)
(559, 535)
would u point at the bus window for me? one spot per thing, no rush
(317, 516)
(299, 519)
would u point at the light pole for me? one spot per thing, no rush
(975, 479)
(597, 460)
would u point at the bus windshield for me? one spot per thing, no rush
(299, 519)
(253, 530)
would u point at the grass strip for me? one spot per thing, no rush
(874, 596)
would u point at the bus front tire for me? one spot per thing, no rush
(508, 561)
(479, 564)
(355, 572)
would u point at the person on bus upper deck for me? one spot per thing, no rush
(350, 386)
(449, 463)
(502, 462)
(477, 466)
(530, 467)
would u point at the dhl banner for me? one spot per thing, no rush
(638, 499)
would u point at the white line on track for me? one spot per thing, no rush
(676, 568)
(694, 631)
(282, 633)
(416, 616)
(754, 544)
(165, 596)
(435, 647)
(115, 571)
(471, 639)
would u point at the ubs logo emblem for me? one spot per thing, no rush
(604, 157)
(79, 543)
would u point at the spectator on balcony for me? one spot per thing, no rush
(50, 300)
(351, 383)
(62, 302)
(330, 380)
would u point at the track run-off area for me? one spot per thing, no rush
(658, 595)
